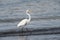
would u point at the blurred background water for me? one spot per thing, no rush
(45, 14)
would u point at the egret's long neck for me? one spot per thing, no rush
(29, 16)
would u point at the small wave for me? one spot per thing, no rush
(8, 20)
(18, 19)
(44, 31)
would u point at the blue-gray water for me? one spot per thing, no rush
(45, 14)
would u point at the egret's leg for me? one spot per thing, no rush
(22, 30)
(27, 29)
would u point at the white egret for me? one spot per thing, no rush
(25, 21)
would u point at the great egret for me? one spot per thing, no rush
(25, 21)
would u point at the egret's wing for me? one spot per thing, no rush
(22, 23)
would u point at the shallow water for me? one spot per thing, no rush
(45, 14)
(36, 37)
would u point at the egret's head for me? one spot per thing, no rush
(28, 11)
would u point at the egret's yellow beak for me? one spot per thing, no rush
(30, 11)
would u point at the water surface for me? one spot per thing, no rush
(45, 14)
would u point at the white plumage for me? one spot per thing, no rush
(25, 21)
(22, 23)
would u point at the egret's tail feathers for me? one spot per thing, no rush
(18, 26)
